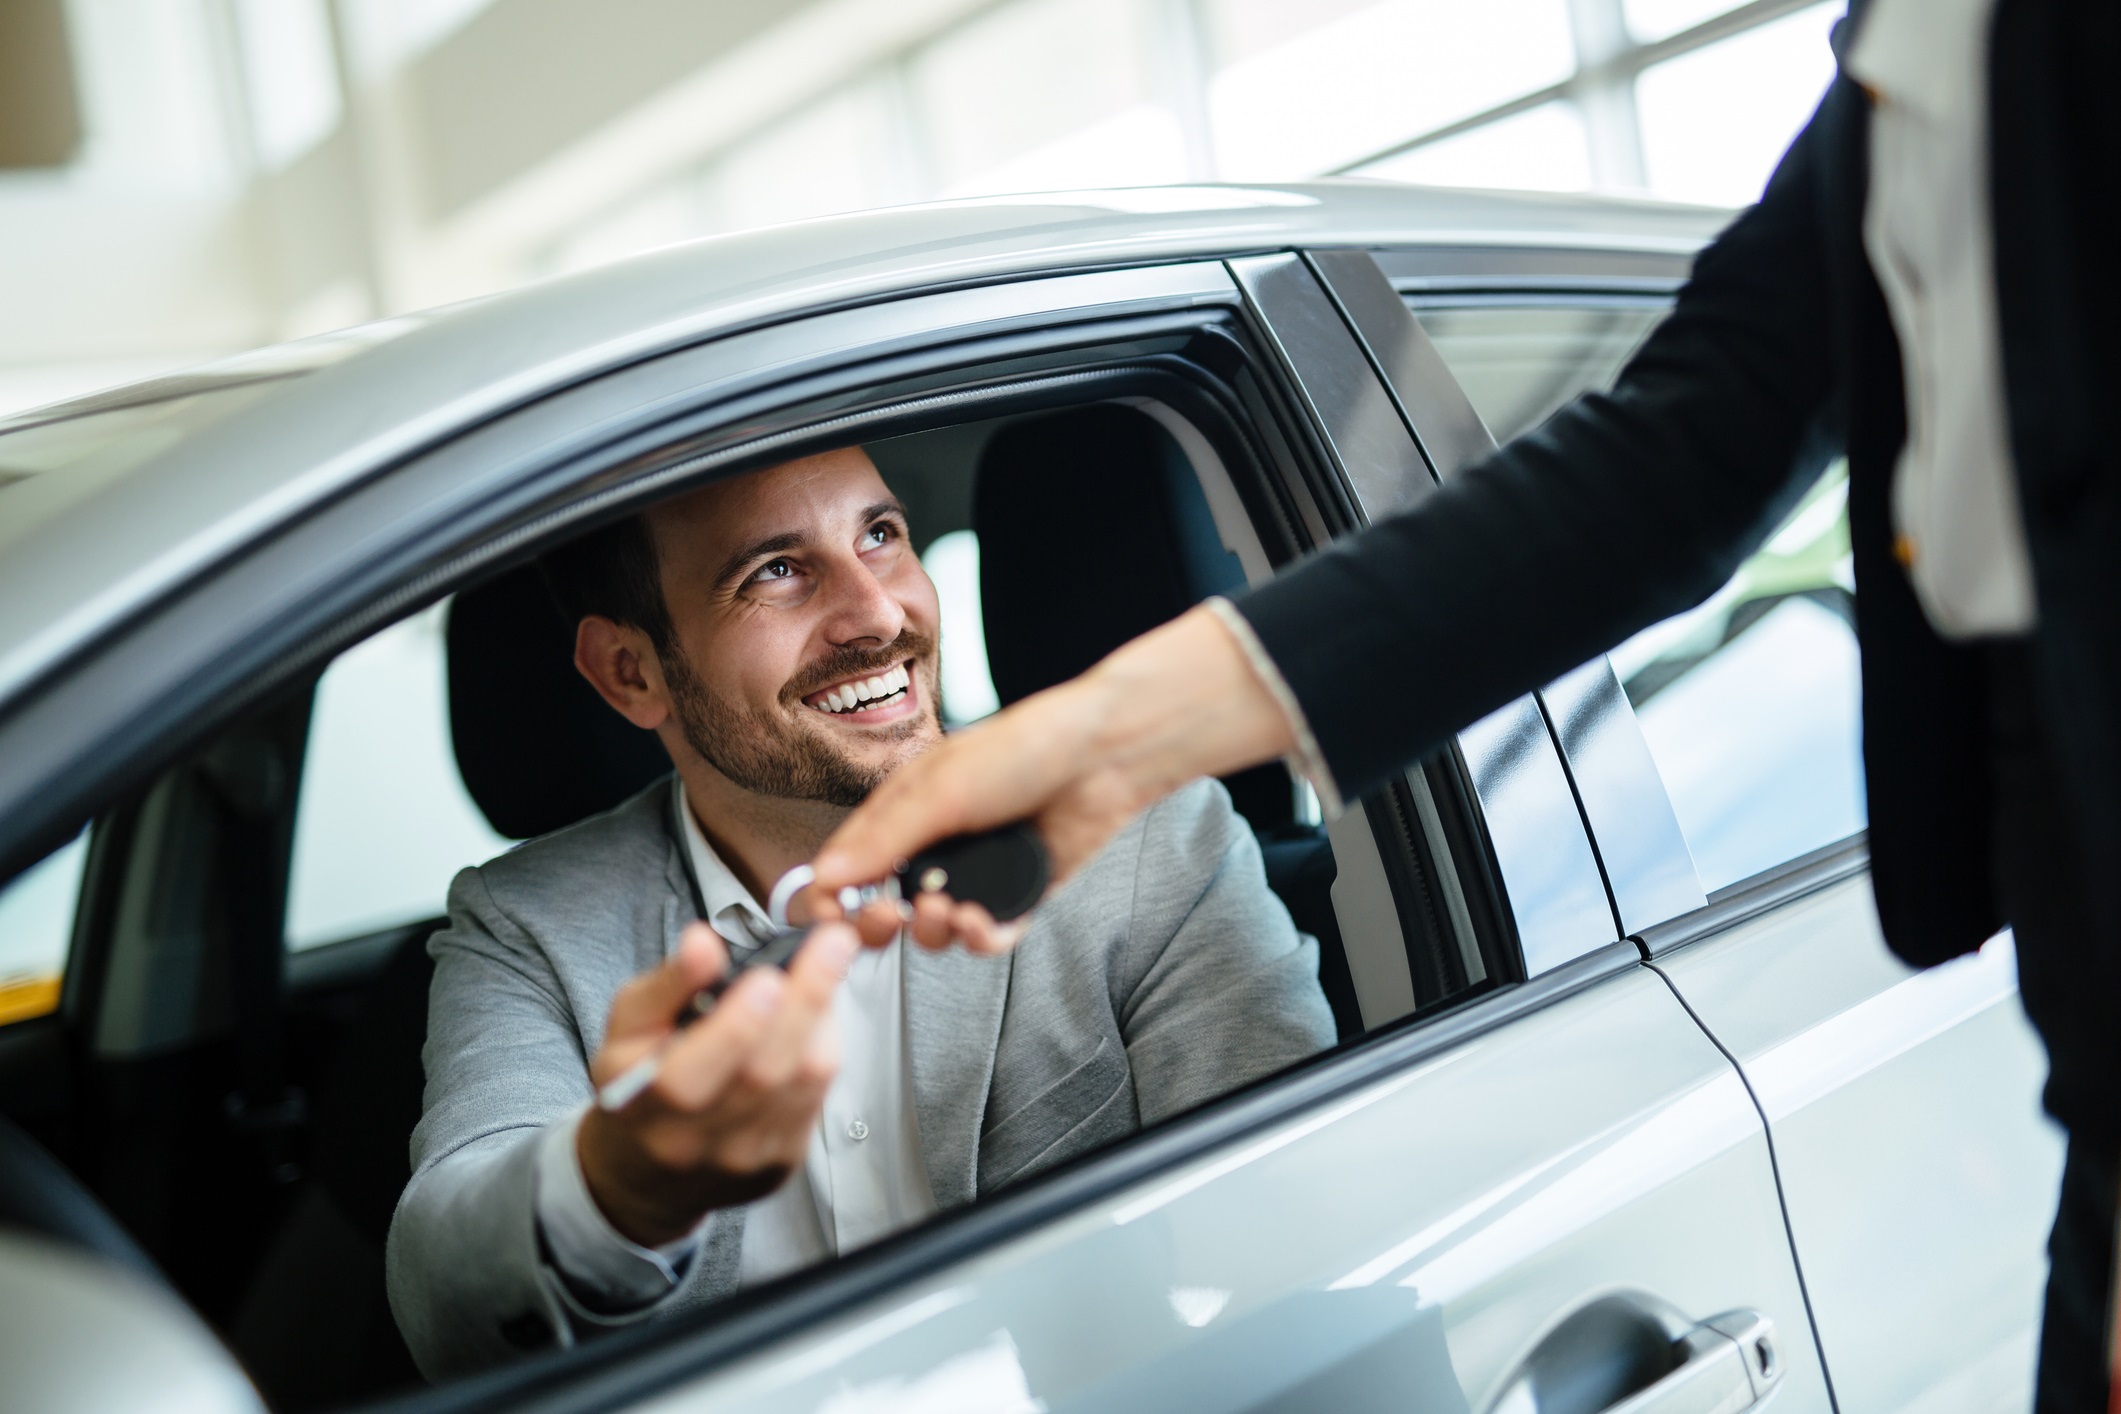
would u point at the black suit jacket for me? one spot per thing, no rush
(1630, 506)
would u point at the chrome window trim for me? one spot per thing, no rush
(1759, 895)
(1441, 268)
(1647, 863)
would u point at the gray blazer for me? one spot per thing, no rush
(1164, 975)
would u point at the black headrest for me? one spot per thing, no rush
(538, 749)
(1092, 530)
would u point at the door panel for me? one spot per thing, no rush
(1919, 1173)
(1405, 1246)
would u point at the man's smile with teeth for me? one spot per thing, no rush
(885, 689)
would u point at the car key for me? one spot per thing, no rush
(1004, 870)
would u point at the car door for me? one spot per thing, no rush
(1917, 1171)
(1559, 1190)
(1541, 1181)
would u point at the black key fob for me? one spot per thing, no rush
(1003, 870)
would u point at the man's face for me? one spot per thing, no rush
(807, 628)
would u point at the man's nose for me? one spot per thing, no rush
(862, 608)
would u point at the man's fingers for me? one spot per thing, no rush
(977, 929)
(698, 1066)
(879, 922)
(930, 924)
(813, 977)
(646, 1006)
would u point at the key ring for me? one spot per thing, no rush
(852, 898)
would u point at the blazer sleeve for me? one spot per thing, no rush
(1219, 987)
(1620, 510)
(467, 1281)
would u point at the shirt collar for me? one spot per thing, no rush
(730, 909)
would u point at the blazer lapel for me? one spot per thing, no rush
(954, 1004)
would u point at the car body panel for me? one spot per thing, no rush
(1396, 1248)
(1917, 1168)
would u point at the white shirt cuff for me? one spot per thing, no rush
(609, 1272)
(1307, 760)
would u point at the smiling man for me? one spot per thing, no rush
(780, 637)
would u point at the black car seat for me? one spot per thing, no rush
(1093, 529)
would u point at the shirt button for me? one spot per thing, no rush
(858, 1130)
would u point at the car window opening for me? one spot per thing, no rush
(265, 976)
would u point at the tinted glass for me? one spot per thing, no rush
(1751, 702)
(384, 821)
(1518, 363)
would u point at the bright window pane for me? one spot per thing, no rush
(384, 822)
(952, 562)
(36, 928)
(1654, 19)
(1143, 146)
(1336, 93)
(1751, 702)
(290, 78)
(836, 155)
(1518, 364)
(1715, 122)
(1541, 150)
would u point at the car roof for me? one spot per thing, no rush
(370, 396)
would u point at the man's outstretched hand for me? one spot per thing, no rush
(729, 1116)
(1079, 761)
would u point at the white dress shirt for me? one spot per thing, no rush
(864, 1177)
(1929, 232)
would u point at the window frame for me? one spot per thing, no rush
(587, 454)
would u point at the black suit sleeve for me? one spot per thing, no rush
(1620, 510)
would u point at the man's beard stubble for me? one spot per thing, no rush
(766, 754)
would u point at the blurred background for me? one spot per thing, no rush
(182, 179)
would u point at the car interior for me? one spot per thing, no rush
(223, 1098)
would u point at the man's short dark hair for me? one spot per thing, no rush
(613, 572)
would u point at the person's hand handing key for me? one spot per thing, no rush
(1078, 761)
(730, 1112)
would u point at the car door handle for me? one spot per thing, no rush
(1726, 1364)
(1627, 1355)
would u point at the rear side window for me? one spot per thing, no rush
(384, 822)
(1751, 703)
(1518, 363)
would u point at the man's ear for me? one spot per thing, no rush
(621, 665)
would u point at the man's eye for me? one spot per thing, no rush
(773, 569)
(878, 534)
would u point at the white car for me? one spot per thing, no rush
(1631, 1109)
